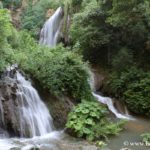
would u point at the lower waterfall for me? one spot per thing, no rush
(28, 111)
(106, 100)
(22, 112)
(34, 114)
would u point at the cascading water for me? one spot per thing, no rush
(29, 115)
(24, 115)
(106, 100)
(34, 115)
(51, 29)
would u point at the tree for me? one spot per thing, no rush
(5, 32)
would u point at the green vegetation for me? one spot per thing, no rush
(88, 120)
(104, 29)
(12, 4)
(137, 96)
(146, 137)
(132, 86)
(113, 34)
(118, 83)
(5, 32)
(57, 69)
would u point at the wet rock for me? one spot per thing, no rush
(59, 109)
(8, 106)
(125, 149)
(99, 77)
(76, 146)
(34, 148)
(49, 147)
(15, 148)
(49, 13)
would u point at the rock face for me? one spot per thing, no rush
(99, 78)
(9, 106)
(49, 13)
(59, 108)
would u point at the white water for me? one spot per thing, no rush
(2, 114)
(106, 100)
(34, 119)
(51, 29)
(37, 141)
(34, 115)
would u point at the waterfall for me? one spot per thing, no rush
(22, 112)
(106, 100)
(2, 114)
(34, 115)
(51, 29)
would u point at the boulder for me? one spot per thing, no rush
(9, 106)
(59, 108)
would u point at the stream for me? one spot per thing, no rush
(130, 137)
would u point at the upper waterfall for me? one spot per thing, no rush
(50, 32)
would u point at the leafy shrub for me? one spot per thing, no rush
(146, 137)
(88, 120)
(104, 27)
(13, 4)
(123, 60)
(118, 83)
(5, 32)
(57, 69)
(5, 26)
(76, 4)
(63, 72)
(137, 96)
(132, 86)
(91, 32)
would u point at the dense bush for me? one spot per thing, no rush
(12, 3)
(122, 61)
(146, 137)
(76, 5)
(88, 120)
(5, 32)
(108, 28)
(132, 86)
(137, 96)
(118, 83)
(91, 32)
(58, 69)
